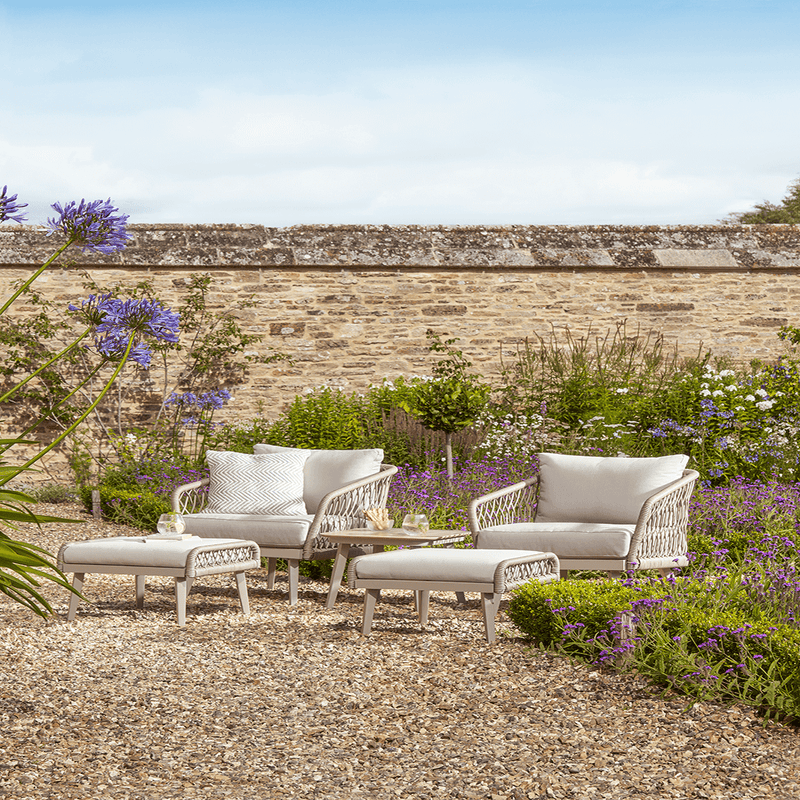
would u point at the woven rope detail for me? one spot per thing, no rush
(194, 500)
(220, 558)
(665, 535)
(519, 506)
(516, 574)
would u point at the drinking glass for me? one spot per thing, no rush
(171, 523)
(416, 523)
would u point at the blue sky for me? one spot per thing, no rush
(402, 111)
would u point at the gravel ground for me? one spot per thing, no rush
(294, 703)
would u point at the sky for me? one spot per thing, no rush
(431, 112)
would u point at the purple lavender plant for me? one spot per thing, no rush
(94, 226)
(10, 207)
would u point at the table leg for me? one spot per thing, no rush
(140, 591)
(339, 563)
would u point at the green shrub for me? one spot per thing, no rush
(544, 611)
(137, 508)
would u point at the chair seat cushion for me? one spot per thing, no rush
(434, 564)
(264, 530)
(565, 539)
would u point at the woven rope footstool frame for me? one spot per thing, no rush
(510, 569)
(212, 557)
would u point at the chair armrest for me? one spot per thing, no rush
(343, 508)
(515, 503)
(660, 531)
(190, 498)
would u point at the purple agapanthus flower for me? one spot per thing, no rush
(94, 226)
(213, 399)
(10, 207)
(116, 321)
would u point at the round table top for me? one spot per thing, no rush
(391, 536)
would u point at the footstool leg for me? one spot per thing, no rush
(241, 585)
(182, 586)
(461, 598)
(140, 591)
(77, 584)
(294, 579)
(370, 599)
(423, 604)
(491, 605)
(272, 564)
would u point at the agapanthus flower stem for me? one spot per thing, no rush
(5, 445)
(35, 275)
(82, 417)
(30, 377)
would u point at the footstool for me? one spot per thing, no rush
(490, 572)
(184, 559)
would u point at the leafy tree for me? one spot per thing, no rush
(452, 399)
(787, 212)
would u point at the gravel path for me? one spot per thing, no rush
(294, 703)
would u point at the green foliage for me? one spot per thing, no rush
(324, 419)
(138, 508)
(543, 611)
(588, 376)
(787, 212)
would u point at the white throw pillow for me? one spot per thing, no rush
(604, 490)
(256, 484)
(328, 470)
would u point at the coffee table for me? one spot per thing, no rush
(359, 537)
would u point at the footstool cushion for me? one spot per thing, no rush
(490, 572)
(183, 559)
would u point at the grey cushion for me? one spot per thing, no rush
(264, 530)
(565, 539)
(434, 564)
(328, 470)
(241, 483)
(132, 551)
(595, 489)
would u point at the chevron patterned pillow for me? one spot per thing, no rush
(258, 484)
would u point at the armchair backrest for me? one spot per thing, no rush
(602, 490)
(325, 471)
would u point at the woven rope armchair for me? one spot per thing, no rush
(610, 514)
(295, 538)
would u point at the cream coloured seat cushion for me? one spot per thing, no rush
(264, 530)
(434, 564)
(565, 539)
(132, 551)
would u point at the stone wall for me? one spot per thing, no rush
(351, 304)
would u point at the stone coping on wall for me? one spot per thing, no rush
(598, 247)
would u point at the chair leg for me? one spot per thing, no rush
(241, 585)
(294, 579)
(272, 564)
(665, 572)
(461, 598)
(490, 604)
(423, 604)
(563, 574)
(140, 579)
(370, 600)
(77, 584)
(613, 574)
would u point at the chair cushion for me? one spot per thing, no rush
(256, 484)
(565, 539)
(596, 489)
(329, 470)
(433, 564)
(264, 530)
